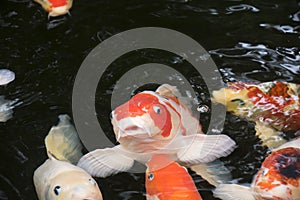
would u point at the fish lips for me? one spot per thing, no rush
(138, 127)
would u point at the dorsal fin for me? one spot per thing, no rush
(62, 142)
(168, 91)
(172, 92)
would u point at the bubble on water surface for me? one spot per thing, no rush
(6, 76)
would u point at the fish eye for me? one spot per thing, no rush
(157, 109)
(111, 115)
(57, 190)
(92, 181)
(150, 177)
(240, 102)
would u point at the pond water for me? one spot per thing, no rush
(248, 40)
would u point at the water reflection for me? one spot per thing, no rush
(283, 61)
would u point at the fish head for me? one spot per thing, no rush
(166, 179)
(59, 7)
(145, 118)
(279, 176)
(73, 184)
(235, 98)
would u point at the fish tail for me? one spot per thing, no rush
(62, 141)
(214, 172)
(234, 192)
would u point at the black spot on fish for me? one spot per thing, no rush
(288, 164)
(240, 102)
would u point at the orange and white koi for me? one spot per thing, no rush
(277, 179)
(155, 123)
(274, 106)
(167, 180)
(56, 7)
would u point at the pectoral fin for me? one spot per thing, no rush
(202, 148)
(105, 162)
(234, 192)
(214, 172)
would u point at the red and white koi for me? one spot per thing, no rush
(56, 7)
(277, 179)
(155, 123)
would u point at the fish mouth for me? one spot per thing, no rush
(133, 131)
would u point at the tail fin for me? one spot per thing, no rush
(234, 192)
(62, 141)
(214, 172)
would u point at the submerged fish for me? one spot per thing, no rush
(56, 179)
(6, 76)
(56, 7)
(155, 123)
(274, 106)
(277, 179)
(6, 111)
(167, 180)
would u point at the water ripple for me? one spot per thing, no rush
(282, 28)
(241, 7)
(283, 62)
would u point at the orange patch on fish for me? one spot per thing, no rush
(167, 180)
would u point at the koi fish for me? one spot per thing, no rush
(56, 7)
(155, 123)
(167, 180)
(58, 179)
(274, 106)
(277, 179)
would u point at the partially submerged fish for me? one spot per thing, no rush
(6, 76)
(56, 7)
(56, 179)
(155, 123)
(274, 106)
(167, 180)
(277, 179)
(63, 141)
(6, 111)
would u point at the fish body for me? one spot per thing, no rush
(59, 179)
(155, 123)
(6, 76)
(278, 178)
(167, 180)
(56, 7)
(63, 141)
(274, 106)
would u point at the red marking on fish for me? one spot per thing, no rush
(281, 103)
(58, 3)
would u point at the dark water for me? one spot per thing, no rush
(248, 40)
